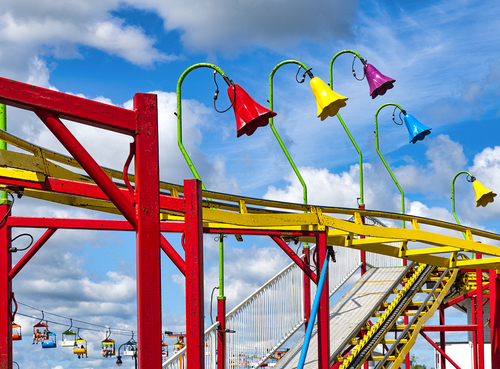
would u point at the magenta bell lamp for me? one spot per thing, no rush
(416, 129)
(379, 84)
(249, 114)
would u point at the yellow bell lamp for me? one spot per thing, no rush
(483, 195)
(328, 101)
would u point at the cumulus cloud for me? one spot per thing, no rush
(444, 159)
(31, 30)
(234, 25)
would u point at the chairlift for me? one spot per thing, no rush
(164, 347)
(179, 345)
(16, 332)
(108, 346)
(50, 340)
(80, 346)
(40, 330)
(68, 336)
(130, 348)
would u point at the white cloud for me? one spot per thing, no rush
(231, 26)
(33, 29)
(445, 159)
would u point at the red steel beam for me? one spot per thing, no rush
(302, 265)
(147, 211)
(5, 294)
(443, 354)
(307, 287)
(480, 304)
(324, 307)
(31, 252)
(195, 349)
(87, 190)
(65, 106)
(495, 319)
(450, 328)
(464, 296)
(89, 224)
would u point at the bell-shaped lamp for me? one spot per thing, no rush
(248, 113)
(483, 195)
(329, 102)
(379, 84)
(416, 129)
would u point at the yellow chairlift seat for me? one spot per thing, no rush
(80, 347)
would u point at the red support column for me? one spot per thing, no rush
(221, 334)
(324, 307)
(5, 294)
(495, 318)
(479, 309)
(195, 346)
(307, 287)
(442, 337)
(474, 333)
(147, 198)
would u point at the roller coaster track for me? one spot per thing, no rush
(37, 175)
(413, 285)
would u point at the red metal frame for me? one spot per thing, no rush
(6, 294)
(495, 318)
(324, 307)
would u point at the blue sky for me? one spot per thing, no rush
(445, 59)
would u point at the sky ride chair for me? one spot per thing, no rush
(69, 337)
(108, 346)
(40, 330)
(164, 348)
(130, 348)
(16, 332)
(80, 347)
(50, 340)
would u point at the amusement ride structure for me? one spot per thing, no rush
(409, 273)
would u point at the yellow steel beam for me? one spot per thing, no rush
(415, 235)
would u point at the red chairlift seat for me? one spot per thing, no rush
(16, 332)
(39, 332)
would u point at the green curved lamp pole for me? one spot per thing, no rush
(197, 176)
(453, 192)
(383, 160)
(179, 112)
(271, 123)
(305, 249)
(360, 155)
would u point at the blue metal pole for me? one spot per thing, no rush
(314, 312)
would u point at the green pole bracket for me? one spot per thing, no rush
(383, 160)
(271, 123)
(179, 112)
(360, 155)
(3, 146)
(453, 199)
